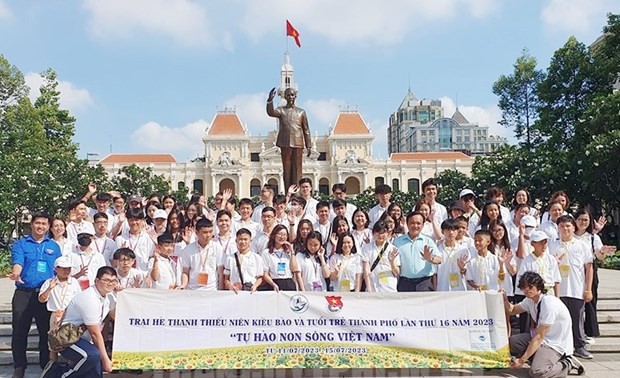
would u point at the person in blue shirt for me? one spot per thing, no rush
(33, 259)
(418, 256)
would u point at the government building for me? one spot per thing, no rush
(235, 159)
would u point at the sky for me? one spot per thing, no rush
(148, 76)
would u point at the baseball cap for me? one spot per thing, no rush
(538, 236)
(87, 228)
(160, 213)
(135, 198)
(528, 221)
(63, 262)
(456, 205)
(465, 192)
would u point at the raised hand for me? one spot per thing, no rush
(92, 188)
(599, 224)
(462, 261)
(333, 239)
(427, 253)
(393, 254)
(272, 94)
(293, 189)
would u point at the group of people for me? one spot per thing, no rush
(68, 270)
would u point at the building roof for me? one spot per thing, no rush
(408, 98)
(459, 117)
(226, 122)
(137, 158)
(448, 155)
(350, 122)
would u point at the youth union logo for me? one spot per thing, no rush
(299, 303)
(334, 303)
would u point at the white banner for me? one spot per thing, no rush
(159, 329)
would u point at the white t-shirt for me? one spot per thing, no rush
(311, 272)
(375, 213)
(441, 213)
(66, 247)
(106, 247)
(348, 269)
(228, 245)
(572, 257)
(62, 294)
(449, 277)
(483, 271)
(170, 271)
(311, 207)
(381, 278)
(277, 263)
(142, 245)
(546, 265)
(73, 229)
(88, 307)
(259, 243)
(360, 236)
(251, 267)
(92, 260)
(200, 261)
(254, 227)
(554, 314)
(593, 241)
(551, 229)
(133, 279)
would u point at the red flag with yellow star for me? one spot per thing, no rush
(290, 30)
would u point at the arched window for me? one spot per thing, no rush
(324, 186)
(413, 186)
(353, 185)
(395, 184)
(379, 181)
(254, 187)
(198, 186)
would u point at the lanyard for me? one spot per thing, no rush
(105, 242)
(224, 247)
(89, 260)
(344, 267)
(481, 263)
(135, 245)
(542, 265)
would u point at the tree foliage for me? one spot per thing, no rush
(132, 179)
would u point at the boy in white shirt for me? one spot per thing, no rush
(245, 211)
(482, 272)
(102, 243)
(454, 259)
(138, 240)
(203, 261)
(575, 260)
(128, 277)
(85, 260)
(243, 269)
(383, 193)
(164, 269)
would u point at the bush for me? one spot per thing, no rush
(5, 261)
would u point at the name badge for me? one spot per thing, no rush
(564, 270)
(383, 278)
(345, 285)
(454, 279)
(41, 266)
(281, 269)
(203, 279)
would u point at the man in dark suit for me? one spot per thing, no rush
(293, 133)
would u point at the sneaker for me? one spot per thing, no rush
(575, 364)
(583, 353)
(590, 340)
(19, 372)
(49, 369)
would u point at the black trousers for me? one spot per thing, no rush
(576, 309)
(25, 307)
(415, 284)
(524, 317)
(591, 323)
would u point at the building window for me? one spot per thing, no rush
(379, 181)
(198, 186)
(395, 184)
(180, 185)
(467, 139)
(254, 156)
(324, 186)
(254, 187)
(322, 156)
(413, 186)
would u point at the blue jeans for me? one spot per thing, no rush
(85, 361)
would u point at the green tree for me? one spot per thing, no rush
(518, 99)
(132, 179)
(12, 84)
(451, 183)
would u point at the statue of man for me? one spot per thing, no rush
(293, 133)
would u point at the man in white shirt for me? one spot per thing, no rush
(245, 221)
(102, 243)
(575, 260)
(429, 188)
(339, 192)
(267, 195)
(137, 239)
(88, 356)
(268, 218)
(383, 193)
(550, 345)
(305, 191)
(79, 213)
(243, 269)
(203, 260)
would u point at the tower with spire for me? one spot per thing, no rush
(287, 77)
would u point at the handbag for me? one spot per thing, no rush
(246, 286)
(62, 336)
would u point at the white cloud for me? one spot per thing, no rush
(71, 97)
(5, 12)
(183, 21)
(322, 113)
(380, 143)
(482, 115)
(161, 138)
(576, 16)
(364, 21)
(250, 108)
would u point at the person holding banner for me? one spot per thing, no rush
(279, 262)
(203, 260)
(418, 255)
(549, 344)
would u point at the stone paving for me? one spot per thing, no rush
(604, 365)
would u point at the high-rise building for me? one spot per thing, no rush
(421, 126)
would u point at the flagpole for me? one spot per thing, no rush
(286, 38)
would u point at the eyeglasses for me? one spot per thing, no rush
(108, 281)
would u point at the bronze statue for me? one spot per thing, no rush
(293, 133)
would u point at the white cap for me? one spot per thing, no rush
(87, 228)
(529, 221)
(63, 262)
(160, 213)
(465, 192)
(538, 236)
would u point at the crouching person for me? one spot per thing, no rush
(549, 344)
(88, 357)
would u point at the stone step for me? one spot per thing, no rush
(605, 345)
(608, 295)
(5, 317)
(7, 330)
(609, 330)
(608, 317)
(611, 305)
(6, 358)
(5, 343)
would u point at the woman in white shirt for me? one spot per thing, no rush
(279, 261)
(58, 232)
(312, 264)
(346, 266)
(550, 226)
